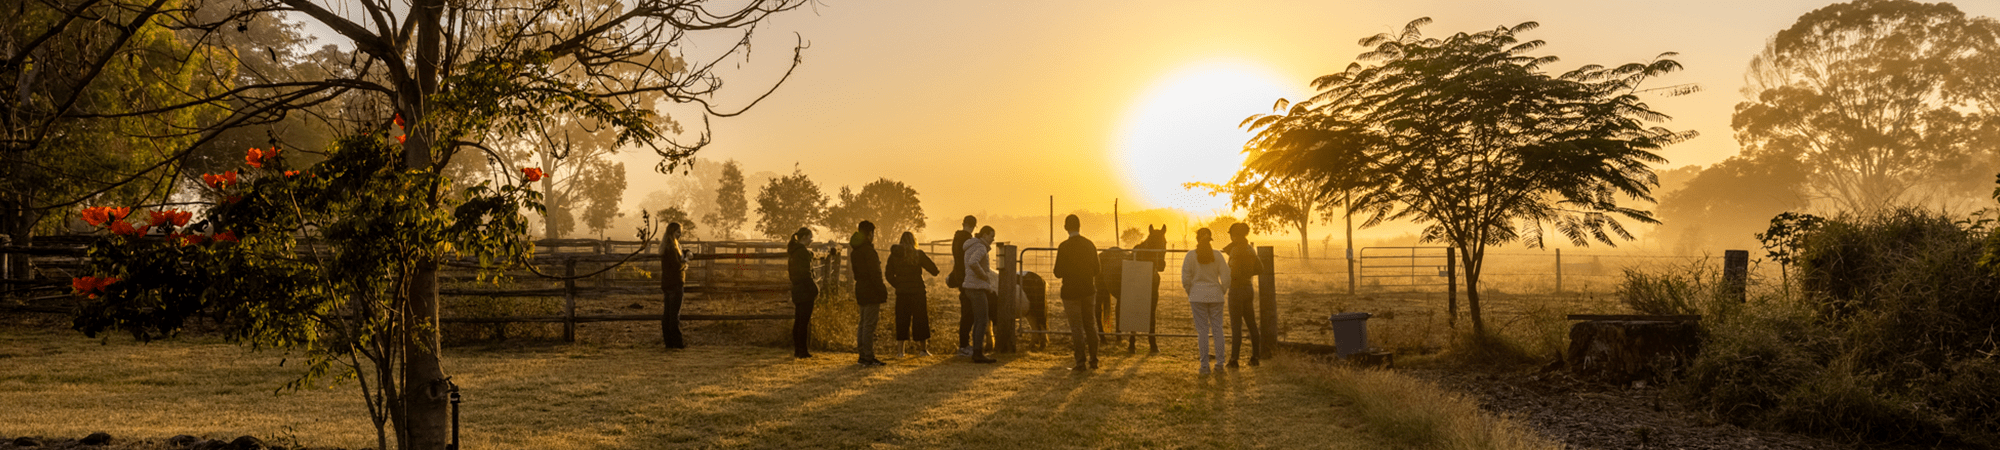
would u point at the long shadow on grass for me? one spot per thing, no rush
(1058, 407)
(888, 405)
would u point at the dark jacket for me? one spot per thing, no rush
(798, 263)
(673, 270)
(1243, 264)
(957, 276)
(1076, 266)
(906, 268)
(868, 287)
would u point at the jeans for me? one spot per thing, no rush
(864, 335)
(975, 303)
(803, 296)
(1082, 314)
(1242, 312)
(965, 313)
(1208, 324)
(670, 319)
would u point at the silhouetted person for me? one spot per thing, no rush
(1034, 292)
(1156, 242)
(798, 264)
(673, 283)
(869, 292)
(1243, 264)
(1205, 276)
(1076, 266)
(957, 280)
(905, 272)
(1110, 287)
(981, 286)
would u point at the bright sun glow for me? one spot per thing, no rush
(1185, 130)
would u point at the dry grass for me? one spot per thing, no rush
(636, 396)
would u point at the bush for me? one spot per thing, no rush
(1671, 291)
(1889, 338)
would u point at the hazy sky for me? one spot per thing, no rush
(990, 107)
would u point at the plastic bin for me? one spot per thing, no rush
(1350, 333)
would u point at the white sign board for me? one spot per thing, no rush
(1135, 305)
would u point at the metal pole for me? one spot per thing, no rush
(569, 300)
(1559, 271)
(1052, 221)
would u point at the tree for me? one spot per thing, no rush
(1468, 136)
(675, 215)
(1275, 206)
(731, 207)
(892, 206)
(501, 69)
(75, 74)
(1728, 202)
(787, 204)
(1880, 102)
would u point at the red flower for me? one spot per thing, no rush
(290, 173)
(191, 239)
(226, 236)
(533, 174)
(223, 181)
(400, 139)
(91, 286)
(126, 228)
(399, 120)
(98, 215)
(177, 218)
(255, 158)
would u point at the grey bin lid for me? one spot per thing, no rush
(1351, 316)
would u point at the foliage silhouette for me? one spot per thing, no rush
(1468, 136)
(789, 203)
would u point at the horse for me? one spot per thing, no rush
(1153, 250)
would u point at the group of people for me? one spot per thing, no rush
(1206, 276)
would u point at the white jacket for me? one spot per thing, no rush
(1205, 283)
(979, 272)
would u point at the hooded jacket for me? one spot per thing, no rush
(868, 287)
(905, 270)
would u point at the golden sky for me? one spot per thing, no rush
(990, 107)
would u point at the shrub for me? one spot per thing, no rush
(1676, 290)
(1888, 339)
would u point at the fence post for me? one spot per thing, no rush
(7, 265)
(1736, 274)
(569, 300)
(1010, 287)
(603, 279)
(1267, 303)
(1559, 271)
(1451, 286)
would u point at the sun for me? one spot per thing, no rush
(1184, 129)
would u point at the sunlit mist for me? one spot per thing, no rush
(1183, 129)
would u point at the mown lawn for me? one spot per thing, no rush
(583, 396)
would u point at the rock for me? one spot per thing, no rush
(25, 441)
(245, 443)
(98, 438)
(1624, 351)
(208, 444)
(182, 440)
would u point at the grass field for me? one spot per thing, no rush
(582, 396)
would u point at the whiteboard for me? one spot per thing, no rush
(1135, 306)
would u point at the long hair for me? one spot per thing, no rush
(909, 243)
(1204, 251)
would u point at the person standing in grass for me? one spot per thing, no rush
(957, 280)
(1204, 275)
(1243, 264)
(1076, 266)
(798, 264)
(905, 272)
(673, 283)
(981, 286)
(869, 293)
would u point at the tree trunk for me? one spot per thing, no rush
(427, 424)
(1472, 269)
(1305, 243)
